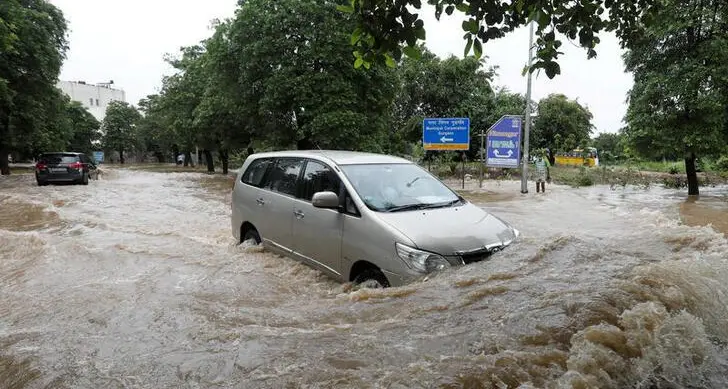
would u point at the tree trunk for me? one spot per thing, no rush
(4, 165)
(160, 156)
(209, 160)
(692, 175)
(4, 152)
(225, 159)
(121, 156)
(188, 159)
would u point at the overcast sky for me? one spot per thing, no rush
(125, 41)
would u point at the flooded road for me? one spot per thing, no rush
(135, 282)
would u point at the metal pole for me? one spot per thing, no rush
(463, 169)
(527, 129)
(482, 157)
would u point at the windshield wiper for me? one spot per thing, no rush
(411, 207)
(409, 184)
(440, 205)
(407, 207)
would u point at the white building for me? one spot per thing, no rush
(94, 97)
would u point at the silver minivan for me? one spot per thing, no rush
(370, 219)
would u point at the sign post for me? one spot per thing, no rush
(99, 156)
(447, 134)
(503, 149)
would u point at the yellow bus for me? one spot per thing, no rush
(578, 157)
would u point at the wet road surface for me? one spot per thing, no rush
(135, 282)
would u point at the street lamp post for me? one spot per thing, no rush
(527, 127)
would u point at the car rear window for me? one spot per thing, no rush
(58, 158)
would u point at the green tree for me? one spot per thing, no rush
(609, 147)
(452, 87)
(120, 127)
(154, 135)
(218, 117)
(180, 97)
(85, 129)
(32, 49)
(561, 125)
(386, 29)
(297, 81)
(679, 100)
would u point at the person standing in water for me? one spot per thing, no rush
(542, 172)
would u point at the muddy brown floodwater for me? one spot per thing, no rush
(135, 282)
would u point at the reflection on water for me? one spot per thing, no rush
(135, 281)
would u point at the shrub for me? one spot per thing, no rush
(722, 164)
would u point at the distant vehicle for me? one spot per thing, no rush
(370, 219)
(578, 157)
(59, 167)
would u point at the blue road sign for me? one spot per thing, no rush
(99, 156)
(504, 142)
(446, 134)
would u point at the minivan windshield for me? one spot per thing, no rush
(398, 187)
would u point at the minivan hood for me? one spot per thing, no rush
(448, 231)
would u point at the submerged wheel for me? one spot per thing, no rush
(371, 278)
(251, 234)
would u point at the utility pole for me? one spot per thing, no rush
(527, 129)
(482, 157)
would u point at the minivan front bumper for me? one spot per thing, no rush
(458, 259)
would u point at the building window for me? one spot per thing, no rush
(97, 102)
(91, 102)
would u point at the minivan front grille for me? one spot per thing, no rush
(476, 256)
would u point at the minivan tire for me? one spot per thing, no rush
(251, 234)
(371, 278)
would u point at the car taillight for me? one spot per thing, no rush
(40, 166)
(76, 165)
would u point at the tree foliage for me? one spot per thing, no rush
(561, 125)
(120, 127)
(678, 105)
(297, 76)
(610, 147)
(451, 87)
(85, 129)
(386, 29)
(33, 46)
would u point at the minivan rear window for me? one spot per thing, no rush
(53, 159)
(254, 174)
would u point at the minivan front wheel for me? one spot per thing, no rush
(372, 279)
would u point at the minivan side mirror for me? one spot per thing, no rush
(326, 199)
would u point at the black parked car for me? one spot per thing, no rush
(70, 167)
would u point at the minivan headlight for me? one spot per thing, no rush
(421, 261)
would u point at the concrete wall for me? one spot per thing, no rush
(94, 97)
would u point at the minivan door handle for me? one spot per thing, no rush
(260, 201)
(299, 214)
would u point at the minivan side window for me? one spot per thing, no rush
(283, 176)
(318, 178)
(256, 171)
